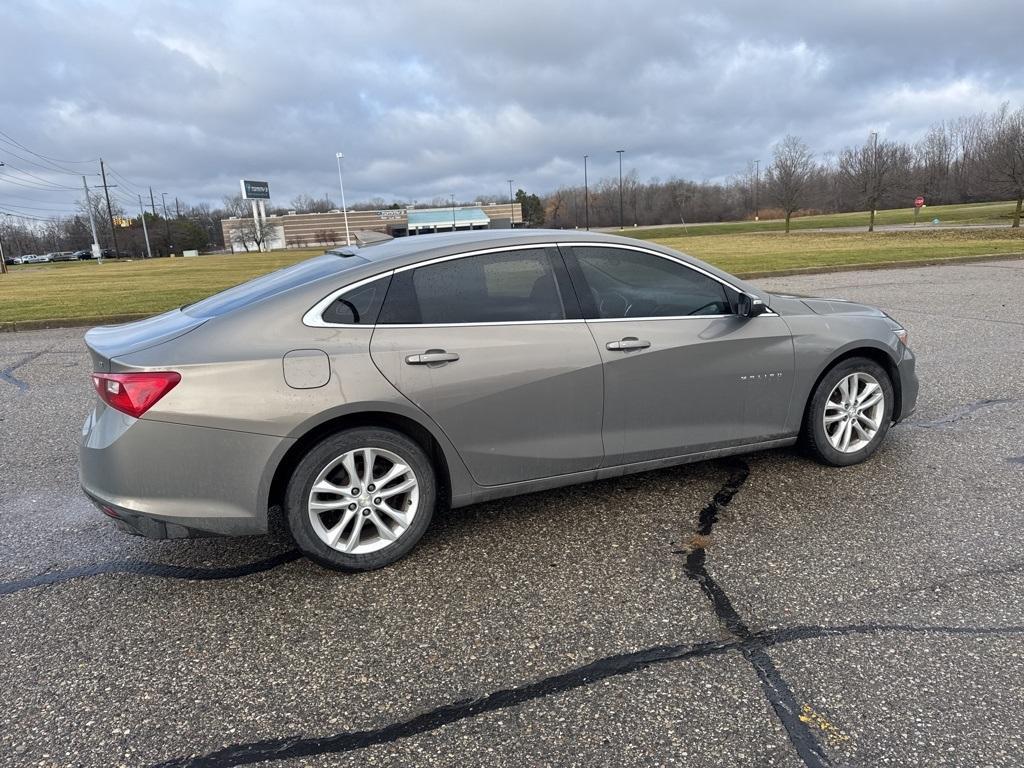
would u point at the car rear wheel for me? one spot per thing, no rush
(849, 413)
(361, 499)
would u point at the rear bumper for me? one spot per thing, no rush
(164, 480)
(909, 385)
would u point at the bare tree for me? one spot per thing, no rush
(874, 171)
(788, 177)
(1004, 156)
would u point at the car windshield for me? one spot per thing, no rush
(268, 285)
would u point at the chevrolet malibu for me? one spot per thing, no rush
(348, 398)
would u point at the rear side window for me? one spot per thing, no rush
(510, 286)
(359, 306)
(626, 283)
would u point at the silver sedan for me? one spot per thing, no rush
(348, 398)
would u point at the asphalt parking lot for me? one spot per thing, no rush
(869, 616)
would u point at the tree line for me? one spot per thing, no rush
(974, 158)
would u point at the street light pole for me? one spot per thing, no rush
(452, 194)
(757, 183)
(92, 223)
(620, 151)
(511, 207)
(145, 232)
(586, 194)
(3, 259)
(344, 209)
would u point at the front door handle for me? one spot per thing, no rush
(628, 343)
(432, 357)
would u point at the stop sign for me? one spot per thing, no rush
(918, 202)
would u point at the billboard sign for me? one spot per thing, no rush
(255, 190)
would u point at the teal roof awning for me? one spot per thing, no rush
(442, 217)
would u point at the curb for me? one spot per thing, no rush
(72, 322)
(934, 262)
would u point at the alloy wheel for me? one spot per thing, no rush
(363, 501)
(853, 412)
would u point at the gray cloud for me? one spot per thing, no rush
(428, 98)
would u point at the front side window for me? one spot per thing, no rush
(627, 283)
(509, 286)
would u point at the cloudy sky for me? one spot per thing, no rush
(427, 98)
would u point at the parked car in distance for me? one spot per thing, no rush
(83, 255)
(107, 253)
(16, 260)
(43, 258)
(349, 397)
(63, 256)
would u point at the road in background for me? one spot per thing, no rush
(864, 616)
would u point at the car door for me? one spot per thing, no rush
(492, 347)
(683, 372)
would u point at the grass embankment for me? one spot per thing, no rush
(90, 293)
(948, 215)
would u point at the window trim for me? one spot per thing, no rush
(574, 267)
(313, 317)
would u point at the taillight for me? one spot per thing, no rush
(134, 393)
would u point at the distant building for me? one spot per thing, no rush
(299, 230)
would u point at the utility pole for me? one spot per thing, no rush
(177, 208)
(110, 211)
(620, 151)
(586, 193)
(92, 223)
(152, 204)
(145, 232)
(757, 183)
(167, 226)
(453, 210)
(511, 207)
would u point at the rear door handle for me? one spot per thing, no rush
(432, 356)
(628, 343)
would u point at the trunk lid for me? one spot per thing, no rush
(106, 342)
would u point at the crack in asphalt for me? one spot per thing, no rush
(753, 648)
(141, 568)
(7, 374)
(752, 645)
(962, 412)
(288, 747)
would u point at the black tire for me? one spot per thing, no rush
(328, 450)
(813, 436)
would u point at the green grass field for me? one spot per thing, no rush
(959, 215)
(86, 292)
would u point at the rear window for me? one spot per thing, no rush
(269, 285)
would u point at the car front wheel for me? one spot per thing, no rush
(361, 499)
(849, 413)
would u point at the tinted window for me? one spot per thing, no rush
(268, 285)
(358, 306)
(490, 288)
(626, 283)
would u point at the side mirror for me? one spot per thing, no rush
(750, 306)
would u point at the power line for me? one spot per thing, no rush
(17, 143)
(39, 178)
(37, 187)
(132, 186)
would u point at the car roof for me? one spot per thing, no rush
(403, 251)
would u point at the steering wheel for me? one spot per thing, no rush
(698, 310)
